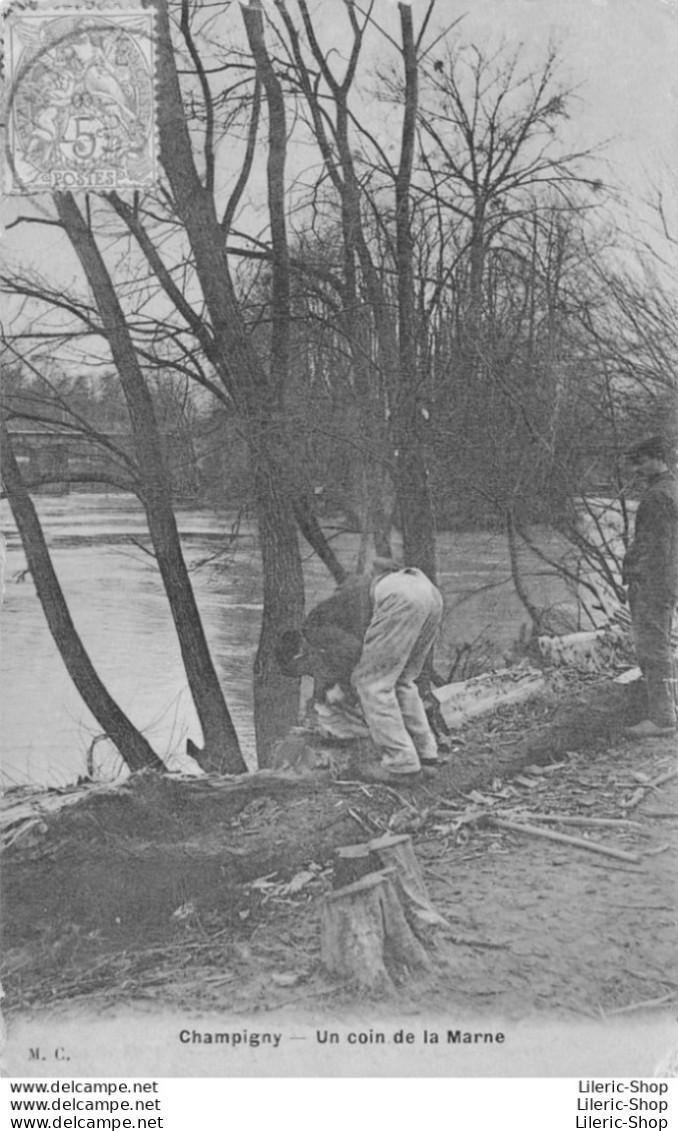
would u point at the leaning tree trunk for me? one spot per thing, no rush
(133, 747)
(253, 393)
(221, 747)
(275, 710)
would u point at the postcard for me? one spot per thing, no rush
(340, 539)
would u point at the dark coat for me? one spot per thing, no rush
(651, 561)
(335, 631)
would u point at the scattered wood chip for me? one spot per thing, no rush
(263, 882)
(654, 784)
(298, 882)
(286, 978)
(186, 911)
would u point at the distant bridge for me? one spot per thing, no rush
(56, 455)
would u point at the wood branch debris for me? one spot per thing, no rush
(577, 841)
(485, 817)
(489, 810)
(376, 923)
(641, 792)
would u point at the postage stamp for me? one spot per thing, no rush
(80, 99)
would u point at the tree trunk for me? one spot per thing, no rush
(255, 395)
(414, 495)
(535, 614)
(276, 696)
(308, 524)
(222, 749)
(135, 750)
(275, 708)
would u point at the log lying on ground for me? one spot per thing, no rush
(471, 698)
(365, 936)
(586, 651)
(30, 806)
(23, 810)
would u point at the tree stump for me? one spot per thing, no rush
(365, 935)
(351, 863)
(396, 852)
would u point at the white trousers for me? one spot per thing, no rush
(407, 613)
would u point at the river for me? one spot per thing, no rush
(99, 546)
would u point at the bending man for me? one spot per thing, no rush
(406, 616)
(374, 635)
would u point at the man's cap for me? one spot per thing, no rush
(652, 447)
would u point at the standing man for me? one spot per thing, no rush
(651, 573)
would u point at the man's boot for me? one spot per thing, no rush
(662, 712)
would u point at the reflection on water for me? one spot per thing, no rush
(100, 551)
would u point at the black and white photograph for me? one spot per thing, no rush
(339, 435)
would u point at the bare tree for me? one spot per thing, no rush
(133, 747)
(393, 362)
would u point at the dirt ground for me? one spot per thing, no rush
(200, 896)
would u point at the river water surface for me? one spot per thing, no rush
(99, 545)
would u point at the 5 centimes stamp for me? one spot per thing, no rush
(80, 98)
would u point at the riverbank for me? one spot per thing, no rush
(205, 894)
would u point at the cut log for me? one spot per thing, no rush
(586, 651)
(466, 700)
(365, 937)
(396, 852)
